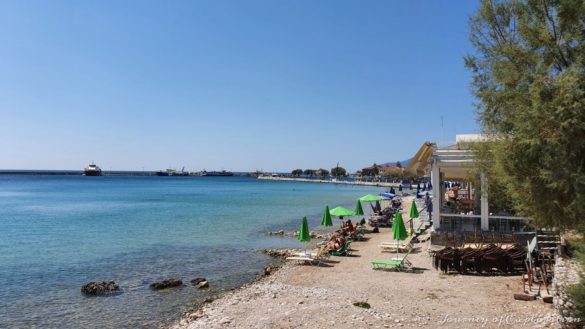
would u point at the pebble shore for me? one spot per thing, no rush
(304, 296)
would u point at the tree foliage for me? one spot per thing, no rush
(529, 77)
(323, 172)
(393, 173)
(338, 172)
(297, 172)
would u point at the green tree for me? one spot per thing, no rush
(529, 77)
(338, 172)
(393, 173)
(398, 164)
(297, 172)
(309, 172)
(323, 172)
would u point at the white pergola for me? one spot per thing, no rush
(453, 163)
(456, 165)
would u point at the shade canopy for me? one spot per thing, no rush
(370, 198)
(341, 212)
(304, 235)
(398, 230)
(326, 220)
(413, 210)
(358, 208)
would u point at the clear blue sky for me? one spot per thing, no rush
(235, 85)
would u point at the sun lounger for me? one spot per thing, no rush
(311, 258)
(393, 245)
(343, 251)
(398, 264)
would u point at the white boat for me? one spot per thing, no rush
(92, 170)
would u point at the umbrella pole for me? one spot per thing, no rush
(397, 245)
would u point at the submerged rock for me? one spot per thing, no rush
(99, 288)
(278, 253)
(203, 284)
(168, 283)
(196, 281)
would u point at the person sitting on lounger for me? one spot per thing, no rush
(348, 226)
(336, 243)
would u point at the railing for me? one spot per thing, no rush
(507, 224)
(460, 223)
(472, 223)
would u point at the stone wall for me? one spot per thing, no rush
(567, 272)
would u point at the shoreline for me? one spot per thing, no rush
(325, 181)
(325, 296)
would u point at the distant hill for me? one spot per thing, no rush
(404, 163)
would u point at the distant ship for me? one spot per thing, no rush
(92, 170)
(172, 172)
(215, 173)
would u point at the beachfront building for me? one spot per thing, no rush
(457, 204)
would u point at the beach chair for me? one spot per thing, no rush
(396, 263)
(400, 246)
(356, 235)
(313, 258)
(343, 251)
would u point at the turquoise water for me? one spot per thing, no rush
(59, 232)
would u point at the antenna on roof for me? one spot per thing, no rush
(442, 130)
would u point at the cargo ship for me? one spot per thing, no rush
(215, 173)
(172, 172)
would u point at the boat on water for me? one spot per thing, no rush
(215, 173)
(92, 170)
(172, 172)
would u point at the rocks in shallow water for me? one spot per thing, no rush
(197, 280)
(313, 234)
(270, 269)
(281, 232)
(99, 288)
(278, 253)
(200, 283)
(168, 283)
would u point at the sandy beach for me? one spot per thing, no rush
(323, 296)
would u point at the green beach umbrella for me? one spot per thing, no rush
(358, 208)
(326, 220)
(341, 212)
(370, 198)
(413, 210)
(398, 229)
(304, 235)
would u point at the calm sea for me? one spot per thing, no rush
(59, 232)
